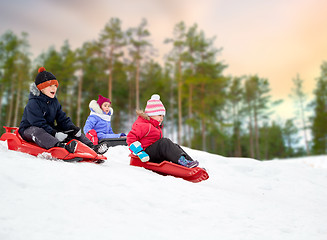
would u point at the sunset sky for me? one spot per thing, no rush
(274, 39)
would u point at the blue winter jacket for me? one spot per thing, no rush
(100, 122)
(42, 111)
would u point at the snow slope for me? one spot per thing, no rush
(242, 199)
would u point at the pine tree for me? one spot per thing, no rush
(273, 143)
(257, 98)
(319, 126)
(176, 56)
(112, 39)
(139, 45)
(14, 68)
(92, 66)
(234, 96)
(290, 135)
(300, 98)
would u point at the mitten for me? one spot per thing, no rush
(137, 149)
(143, 156)
(122, 135)
(61, 136)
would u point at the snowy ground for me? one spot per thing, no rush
(243, 199)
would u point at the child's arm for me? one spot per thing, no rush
(137, 132)
(64, 122)
(34, 115)
(109, 133)
(137, 149)
(89, 124)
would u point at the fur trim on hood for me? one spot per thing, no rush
(142, 114)
(34, 90)
(96, 110)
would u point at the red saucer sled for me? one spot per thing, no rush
(196, 174)
(82, 154)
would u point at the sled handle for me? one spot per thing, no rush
(11, 129)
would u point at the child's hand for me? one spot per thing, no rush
(77, 131)
(143, 156)
(137, 149)
(61, 136)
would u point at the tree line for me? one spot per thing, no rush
(206, 109)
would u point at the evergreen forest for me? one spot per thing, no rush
(205, 108)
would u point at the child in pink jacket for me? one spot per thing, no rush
(146, 138)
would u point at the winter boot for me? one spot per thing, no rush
(101, 148)
(187, 163)
(71, 147)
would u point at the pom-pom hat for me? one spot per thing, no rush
(45, 79)
(102, 100)
(154, 106)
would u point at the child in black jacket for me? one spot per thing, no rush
(43, 110)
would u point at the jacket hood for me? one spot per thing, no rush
(142, 114)
(36, 93)
(34, 90)
(146, 117)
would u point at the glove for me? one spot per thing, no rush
(122, 135)
(137, 149)
(77, 132)
(61, 136)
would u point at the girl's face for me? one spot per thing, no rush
(105, 107)
(50, 91)
(159, 118)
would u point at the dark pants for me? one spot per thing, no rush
(46, 140)
(165, 149)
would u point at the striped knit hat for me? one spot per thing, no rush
(154, 106)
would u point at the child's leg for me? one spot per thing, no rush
(188, 157)
(101, 148)
(164, 149)
(40, 137)
(84, 140)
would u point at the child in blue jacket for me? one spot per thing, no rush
(100, 119)
(43, 110)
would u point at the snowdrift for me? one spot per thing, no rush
(242, 199)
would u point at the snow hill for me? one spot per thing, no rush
(243, 199)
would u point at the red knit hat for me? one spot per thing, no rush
(45, 79)
(154, 106)
(102, 100)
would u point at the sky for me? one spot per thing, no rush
(274, 39)
(242, 199)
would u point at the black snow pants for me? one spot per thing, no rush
(165, 149)
(46, 140)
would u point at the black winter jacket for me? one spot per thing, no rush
(42, 111)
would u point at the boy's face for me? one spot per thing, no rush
(159, 118)
(105, 107)
(50, 91)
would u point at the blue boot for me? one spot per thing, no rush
(187, 163)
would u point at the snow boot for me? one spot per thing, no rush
(71, 147)
(101, 148)
(187, 163)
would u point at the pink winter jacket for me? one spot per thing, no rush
(146, 130)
